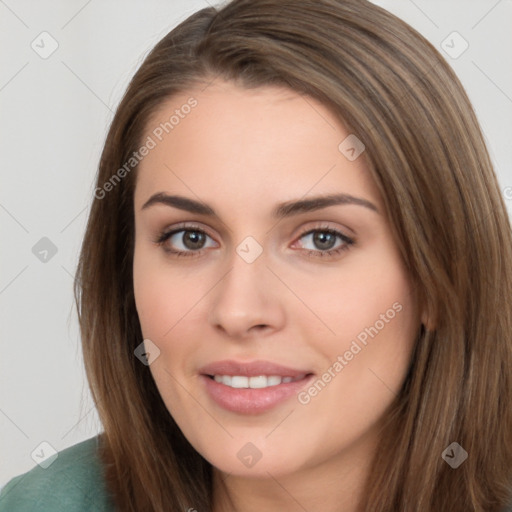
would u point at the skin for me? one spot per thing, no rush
(242, 152)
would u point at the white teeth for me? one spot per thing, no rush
(274, 380)
(238, 381)
(257, 382)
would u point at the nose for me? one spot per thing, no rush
(247, 300)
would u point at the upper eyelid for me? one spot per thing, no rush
(339, 233)
(186, 227)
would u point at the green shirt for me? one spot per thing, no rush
(72, 483)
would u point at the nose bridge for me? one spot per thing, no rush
(243, 283)
(244, 297)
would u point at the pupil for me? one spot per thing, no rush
(193, 239)
(324, 240)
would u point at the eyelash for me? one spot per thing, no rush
(348, 242)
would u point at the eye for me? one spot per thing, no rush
(325, 242)
(185, 241)
(190, 241)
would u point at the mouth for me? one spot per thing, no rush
(252, 388)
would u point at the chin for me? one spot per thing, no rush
(250, 459)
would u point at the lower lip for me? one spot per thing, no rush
(252, 401)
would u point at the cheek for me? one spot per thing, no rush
(359, 296)
(162, 297)
(369, 308)
(381, 300)
(152, 303)
(170, 305)
(164, 304)
(376, 335)
(366, 362)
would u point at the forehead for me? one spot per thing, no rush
(223, 139)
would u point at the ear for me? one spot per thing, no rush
(427, 320)
(427, 310)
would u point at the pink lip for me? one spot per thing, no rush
(252, 369)
(248, 400)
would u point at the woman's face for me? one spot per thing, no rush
(269, 273)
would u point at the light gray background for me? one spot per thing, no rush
(55, 115)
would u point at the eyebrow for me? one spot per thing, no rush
(282, 210)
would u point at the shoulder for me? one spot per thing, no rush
(72, 482)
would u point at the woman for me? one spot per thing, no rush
(294, 285)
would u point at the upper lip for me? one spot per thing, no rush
(250, 369)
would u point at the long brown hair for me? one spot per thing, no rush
(427, 155)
